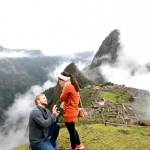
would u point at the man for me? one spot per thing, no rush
(43, 126)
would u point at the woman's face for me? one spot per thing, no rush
(62, 82)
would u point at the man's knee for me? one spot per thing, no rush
(58, 125)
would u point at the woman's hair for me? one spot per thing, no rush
(72, 80)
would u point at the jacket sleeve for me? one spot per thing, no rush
(38, 117)
(65, 93)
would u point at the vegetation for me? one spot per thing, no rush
(114, 97)
(99, 136)
(106, 83)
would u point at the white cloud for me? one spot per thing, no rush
(54, 75)
(128, 72)
(4, 55)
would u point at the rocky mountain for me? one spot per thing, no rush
(107, 53)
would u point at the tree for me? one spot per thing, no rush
(117, 98)
(131, 99)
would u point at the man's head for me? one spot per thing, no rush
(41, 100)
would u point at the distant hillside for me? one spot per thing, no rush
(29, 52)
(19, 74)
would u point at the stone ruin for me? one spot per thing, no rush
(106, 109)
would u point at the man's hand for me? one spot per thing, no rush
(54, 110)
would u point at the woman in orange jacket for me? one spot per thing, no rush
(70, 97)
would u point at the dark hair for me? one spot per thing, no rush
(72, 79)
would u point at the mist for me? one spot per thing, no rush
(127, 71)
(20, 54)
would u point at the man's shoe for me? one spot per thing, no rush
(80, 146)
(58, 147)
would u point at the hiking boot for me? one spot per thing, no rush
(80, 146)
(57, 147)
(70, 148)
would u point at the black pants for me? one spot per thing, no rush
(74, 137)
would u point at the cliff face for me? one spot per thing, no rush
(107, 53)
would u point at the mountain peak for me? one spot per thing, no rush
(107, 52)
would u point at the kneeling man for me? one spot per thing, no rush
(43, 126)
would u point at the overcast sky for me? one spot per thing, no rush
(66, 26)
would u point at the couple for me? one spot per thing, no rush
(43, 126)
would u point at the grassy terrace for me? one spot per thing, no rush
(112, 96)
(99, 136)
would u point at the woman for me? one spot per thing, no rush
(70, 97)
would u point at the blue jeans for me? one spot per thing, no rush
(50, 142)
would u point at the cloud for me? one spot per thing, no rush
(127, 71)
(54, 75)
(58, 70)
(4, 55)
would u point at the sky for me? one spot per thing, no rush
(64, 27)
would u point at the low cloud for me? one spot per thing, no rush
(54, 75)
(21, 54)
(127, 71)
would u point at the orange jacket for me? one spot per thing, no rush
(71, 98)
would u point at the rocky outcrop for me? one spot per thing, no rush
(107, 53)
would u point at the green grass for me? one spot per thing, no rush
(112, 96)
(22, 147)
(99, 136)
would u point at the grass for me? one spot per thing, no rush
(22, 147)
(99, 136)
(112, 96)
